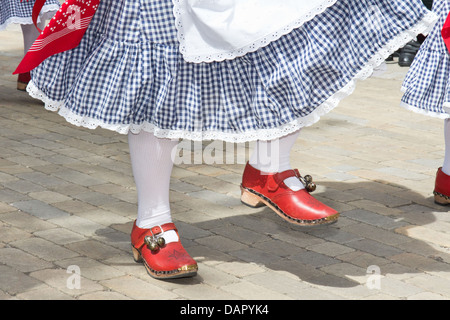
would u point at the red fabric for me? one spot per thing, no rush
(446, 32)
(442, 184)
(63, 32)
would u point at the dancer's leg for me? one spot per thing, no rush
(274, 156)
(152, 167)
(30, 34)
(442, 184)
(446, 165)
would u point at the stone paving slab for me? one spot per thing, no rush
(68, 201)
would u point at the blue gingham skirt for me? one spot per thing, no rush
(128, 74)
(14, 11)
(426, 86)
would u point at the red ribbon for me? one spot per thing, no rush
(64, 31)
(446, 32)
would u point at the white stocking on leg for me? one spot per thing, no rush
(274, 156)
(30, 34)
(152, 167)
(446, 165)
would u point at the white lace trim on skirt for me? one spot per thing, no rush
(48, 11)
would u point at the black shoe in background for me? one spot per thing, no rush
(396, 54)
(408, 53)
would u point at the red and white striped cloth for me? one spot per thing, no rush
(63, 32)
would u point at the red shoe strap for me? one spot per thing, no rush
(281, 176)
(164, 228)
(278, 178)
(140, 241)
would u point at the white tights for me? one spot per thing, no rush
(151, 160)
(152, 167)
(446, 165)
(30, 34)
(274, 156)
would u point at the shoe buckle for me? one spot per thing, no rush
(307, 181)
(153, 242)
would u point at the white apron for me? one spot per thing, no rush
(216, 30)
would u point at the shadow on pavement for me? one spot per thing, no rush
(338, 255)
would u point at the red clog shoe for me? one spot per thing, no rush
(442, 188)
(297, 207)
(162, 261)
(22, 81)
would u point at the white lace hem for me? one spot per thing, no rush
(439, 115)
(48, 11)
(256, 44)
(238, 137)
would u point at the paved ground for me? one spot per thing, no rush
(67, 202)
